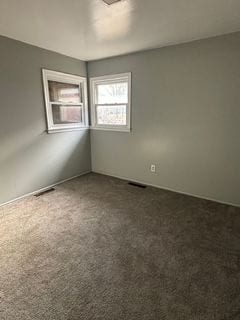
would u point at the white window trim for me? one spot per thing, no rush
(67, 78)
(107, 79)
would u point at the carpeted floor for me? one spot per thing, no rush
(97, 248)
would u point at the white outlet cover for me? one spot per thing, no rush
(153, 168)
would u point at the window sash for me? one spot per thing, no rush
(80, 94)
(109, 83)
(61, 111)
(111, 105)
(72, 124)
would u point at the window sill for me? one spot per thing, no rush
(51, 131)
(67, 129)
(111, 129)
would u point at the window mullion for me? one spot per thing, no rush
(66, 104)
(111, 104)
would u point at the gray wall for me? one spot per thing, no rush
(185, 119)
(29, 157)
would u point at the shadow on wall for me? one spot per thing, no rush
(31, 159)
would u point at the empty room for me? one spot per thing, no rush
(119, 160)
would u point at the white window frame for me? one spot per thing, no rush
(126, 77)
(49, 75)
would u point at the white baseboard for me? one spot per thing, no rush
(43, 189)
(165, 188)
(119, 177)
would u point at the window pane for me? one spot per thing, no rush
(112, 93)
(112, 115)
(64, 92)
(67, 114)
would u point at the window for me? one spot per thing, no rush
(66, 101)
(111, 102)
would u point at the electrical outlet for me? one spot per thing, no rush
(153, 168)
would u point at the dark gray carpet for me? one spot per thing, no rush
(97, 248)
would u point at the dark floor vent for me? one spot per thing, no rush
(138, 185)
(44, 192)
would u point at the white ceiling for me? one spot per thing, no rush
(90, 29)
